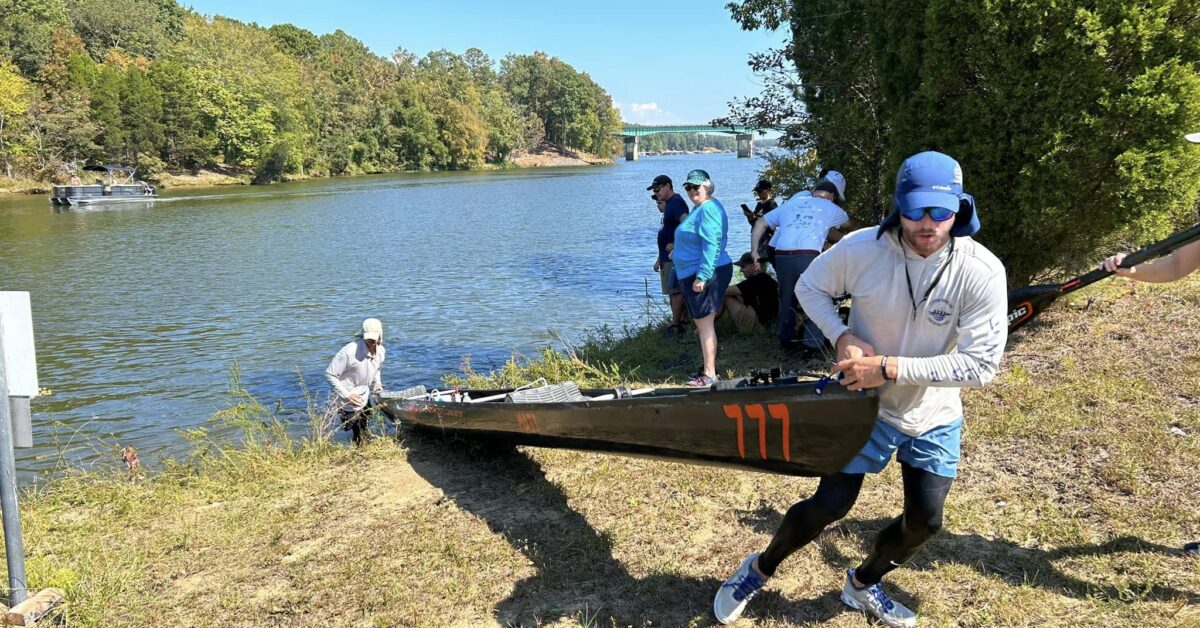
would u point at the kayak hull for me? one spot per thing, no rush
(788, 428)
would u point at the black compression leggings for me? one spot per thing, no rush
(924, 495)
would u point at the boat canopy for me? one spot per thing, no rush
(109, 168)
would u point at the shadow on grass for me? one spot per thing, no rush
(1015, 565)
(577, 575)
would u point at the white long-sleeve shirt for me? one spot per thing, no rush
(354, 366)
(954, 339)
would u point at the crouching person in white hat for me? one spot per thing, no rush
(354, 373)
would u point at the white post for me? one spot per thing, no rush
(18, 377)
(21, 360)
(14, 547)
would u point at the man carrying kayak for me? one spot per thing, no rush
(929, 317)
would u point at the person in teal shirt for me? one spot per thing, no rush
(702, 267)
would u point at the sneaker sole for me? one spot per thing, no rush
(854, 604)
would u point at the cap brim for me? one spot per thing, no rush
(1193, 138)
(651, 187)
(929, 199)
(374, 337)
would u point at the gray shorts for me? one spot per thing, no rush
(666, 276)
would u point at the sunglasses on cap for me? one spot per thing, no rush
(938, 214)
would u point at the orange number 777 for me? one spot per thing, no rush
(755, 411)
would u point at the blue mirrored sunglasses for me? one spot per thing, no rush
(938, 214)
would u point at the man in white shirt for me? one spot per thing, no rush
(801, 225)
(354, 373)
(929, 317)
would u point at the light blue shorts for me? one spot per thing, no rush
(935, 451)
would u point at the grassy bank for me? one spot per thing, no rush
(22, 186)
(1077, 486)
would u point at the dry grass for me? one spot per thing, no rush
(1076, 491)
(202, 178)
(23, 186)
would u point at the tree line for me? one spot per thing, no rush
(152, 84)
(660, 142)
(1068, 118)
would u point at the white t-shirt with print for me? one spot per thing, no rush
(803, 222)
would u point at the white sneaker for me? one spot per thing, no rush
(741, 587)
(876, 603)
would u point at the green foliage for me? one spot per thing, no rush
(1067, 117)
(15, 92)
(106, 111)
(141, 112)
(150, 83)
(187, 140)
(685, 142)
(27, 29)
(575, 110)
(138, 27)
(296, 41)
(274, 162)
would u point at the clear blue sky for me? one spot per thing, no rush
(672, 61)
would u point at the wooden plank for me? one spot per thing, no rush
(27, 613)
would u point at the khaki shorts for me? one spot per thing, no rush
(667, 270)
(744, 316)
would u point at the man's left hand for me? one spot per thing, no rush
(698, 285)
(860, 373)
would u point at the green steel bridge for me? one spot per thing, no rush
(631, 133)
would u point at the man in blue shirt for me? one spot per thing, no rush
(674, 210)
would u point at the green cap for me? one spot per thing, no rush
(696, 177)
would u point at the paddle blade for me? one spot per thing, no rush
(1025, 303)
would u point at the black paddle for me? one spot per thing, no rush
(1025, 303)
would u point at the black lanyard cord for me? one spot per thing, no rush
(936, 278)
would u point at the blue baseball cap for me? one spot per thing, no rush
(933, 179)
(928, 179)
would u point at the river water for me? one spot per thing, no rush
(140, 311)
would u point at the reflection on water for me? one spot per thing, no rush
(141, 309)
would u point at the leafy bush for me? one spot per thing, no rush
(1066, 117)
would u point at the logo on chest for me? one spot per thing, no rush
(940, 311)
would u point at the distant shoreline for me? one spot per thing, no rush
(545, 158)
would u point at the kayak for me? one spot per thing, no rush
(787, 426)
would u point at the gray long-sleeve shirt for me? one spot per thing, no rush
(354, 366)
(954, 339)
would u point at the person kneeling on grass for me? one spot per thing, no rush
(354, 373)
(1175, 266)
(752, 303)
(936, 321)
